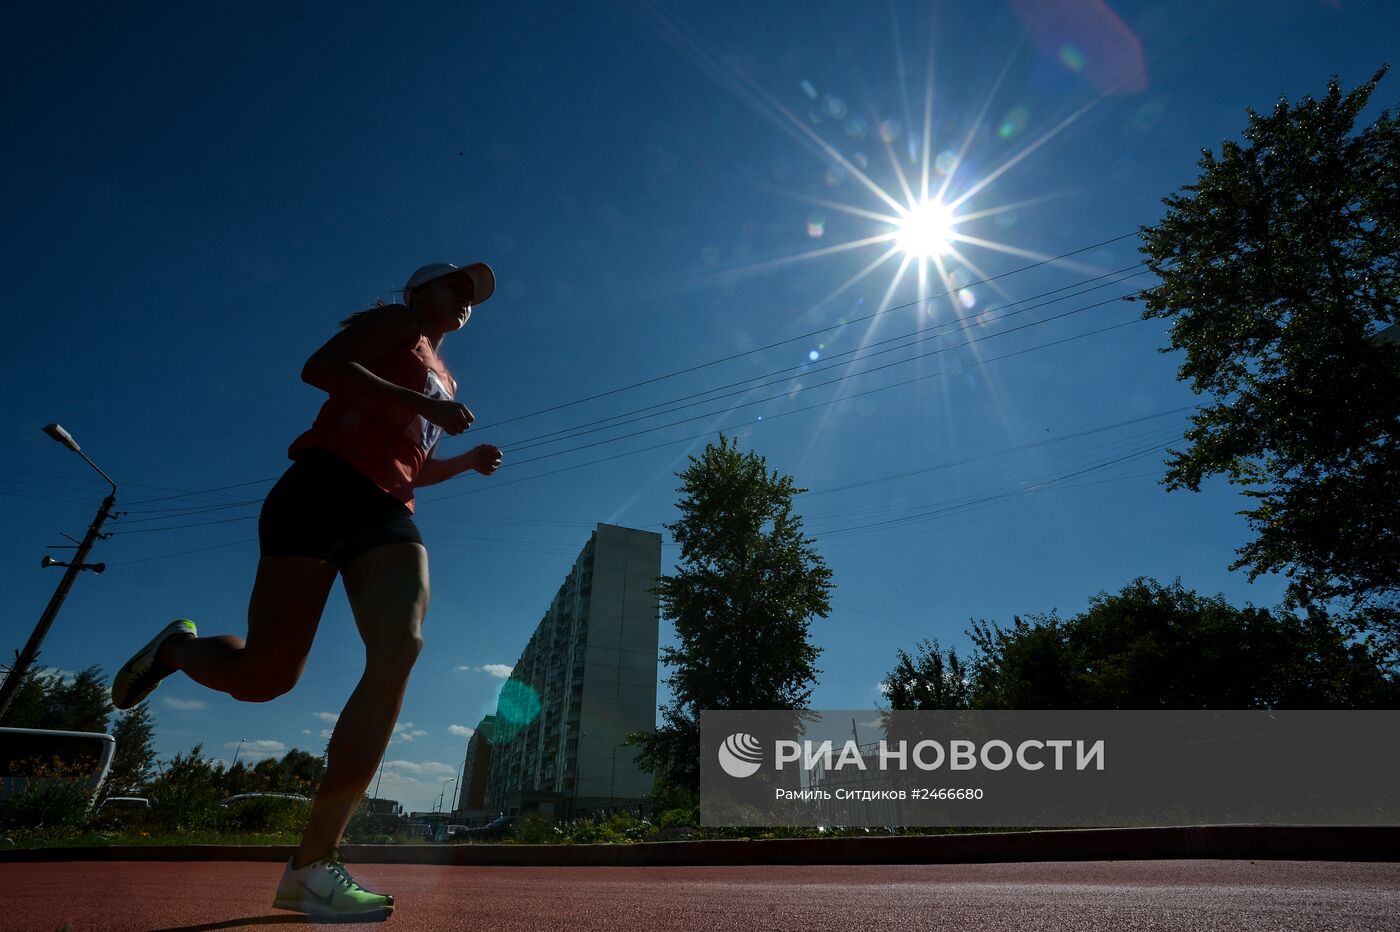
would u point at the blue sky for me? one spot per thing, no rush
(197, 196)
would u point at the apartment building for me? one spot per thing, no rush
(585, 680)
(471, 797)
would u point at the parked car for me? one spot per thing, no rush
(496, 827)
(229, 801)
(124, 802)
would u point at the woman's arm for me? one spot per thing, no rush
(339, 368)
(484, 459)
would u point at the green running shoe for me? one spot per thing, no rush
(140, 675)
(325, 888)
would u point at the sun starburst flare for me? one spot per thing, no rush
(926, 230)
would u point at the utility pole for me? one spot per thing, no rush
(24, 659)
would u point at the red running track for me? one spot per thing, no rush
(1121, 896)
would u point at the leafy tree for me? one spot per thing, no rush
(186, 794)
(932, 680)
(239, 779)
(1277, 268)
(1156, 647)
(296, 772)
(743, 596)
(44, 700)
(135, 754)
(31, 699)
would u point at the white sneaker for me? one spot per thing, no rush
(143, 673)
(325, 888)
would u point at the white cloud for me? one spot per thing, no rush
(461, 730)
(419, 768)
(254, 751)
(183, 705)
(498, 670)
(66, 677)
(258, 747)
(416, 785)
(329, 718)
(404, 731)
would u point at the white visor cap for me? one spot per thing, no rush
(482, 279)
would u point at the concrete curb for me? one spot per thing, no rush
(1226, 842)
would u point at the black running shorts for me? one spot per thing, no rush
(323, 507)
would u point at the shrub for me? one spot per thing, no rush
(368, 827)
(673, 817)
(266, 814)
(619, 829)
(54, 794)
(187, 794)
(531, 828)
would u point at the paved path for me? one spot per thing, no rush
(1122, 896)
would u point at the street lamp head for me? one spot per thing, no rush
(57, 432)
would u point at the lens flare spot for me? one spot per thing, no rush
(835, 107)
(890, 130)
(816, 226)
(1089, 39)
(967, 298)
(1072, 58)
(517, 705)
(926, 230)
(945, 163)
(809, 90)
(814, 355)
(1147, 117)
(1014, 121)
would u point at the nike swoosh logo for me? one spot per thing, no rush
(324, 900)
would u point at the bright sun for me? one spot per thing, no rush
(926, 230)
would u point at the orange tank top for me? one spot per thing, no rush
(387, 446)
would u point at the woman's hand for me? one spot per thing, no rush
(485, 459)
(452, 416)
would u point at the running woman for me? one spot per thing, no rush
(345, 507)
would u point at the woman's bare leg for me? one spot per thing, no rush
(289, 595)
(388, 591)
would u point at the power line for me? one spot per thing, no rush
(969, 486)
(822, 404)
(222, 488)
(945, 329)
(956, 507)
(1018, 449)
(842, 379)
(804, 336)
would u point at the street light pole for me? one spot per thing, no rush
(443, 794)
(24, 659)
